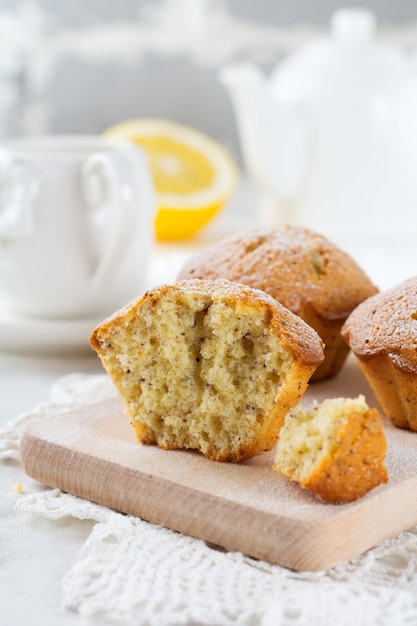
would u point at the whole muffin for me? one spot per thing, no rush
(208, 365)
(300, 269)
(382, 333)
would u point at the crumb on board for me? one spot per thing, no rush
(18, 488)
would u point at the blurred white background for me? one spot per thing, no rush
(83, 65)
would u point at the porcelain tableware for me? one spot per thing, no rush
(330, 137)
(76, 225)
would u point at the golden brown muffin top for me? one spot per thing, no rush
(301, 338)
(296, 266)
(386, 324)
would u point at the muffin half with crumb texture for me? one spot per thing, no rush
(208, 365)
(335, 450)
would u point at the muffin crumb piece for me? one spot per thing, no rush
(336, 449)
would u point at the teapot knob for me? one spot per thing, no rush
(353, 25)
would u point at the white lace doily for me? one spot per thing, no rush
(136, 573)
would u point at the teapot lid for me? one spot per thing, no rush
(353, 25)
(351, 54)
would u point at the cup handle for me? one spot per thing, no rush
(102, 195)
(18, 187)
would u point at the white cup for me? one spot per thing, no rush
(76, 225)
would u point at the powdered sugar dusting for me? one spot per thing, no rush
(387, 323)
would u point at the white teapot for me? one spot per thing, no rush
(331, 137)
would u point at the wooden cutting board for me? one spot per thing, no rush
(92, 453)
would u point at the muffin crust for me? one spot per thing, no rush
(302, 270)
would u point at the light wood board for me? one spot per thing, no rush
(92, 453)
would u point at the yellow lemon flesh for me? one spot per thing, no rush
(193, 174)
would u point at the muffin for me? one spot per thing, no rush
(299, 268)
(382, 333)
(208, 365)
(336, 450)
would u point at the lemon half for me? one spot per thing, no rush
(194, 176)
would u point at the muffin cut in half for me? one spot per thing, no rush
(208, 365)
(302, 270)
(382, 333)
(336, 450)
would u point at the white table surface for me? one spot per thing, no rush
(30, 573)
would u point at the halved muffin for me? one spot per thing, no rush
(208, 365)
